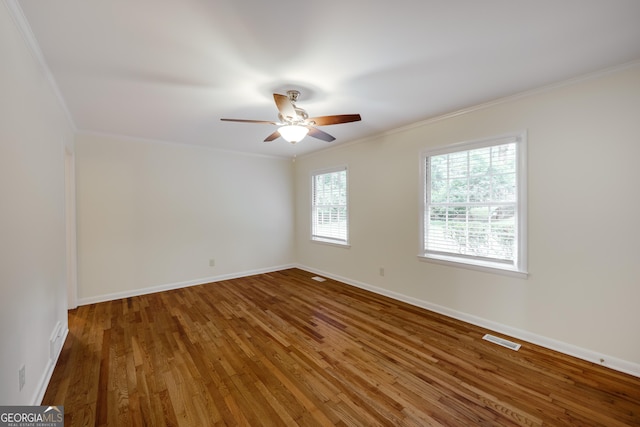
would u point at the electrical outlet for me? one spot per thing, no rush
(21, 377)
(212, 262)
(382, 271)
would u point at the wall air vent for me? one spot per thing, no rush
(55, 342)
(500, 341)
(318, 279)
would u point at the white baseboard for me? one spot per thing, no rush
(611, 362)
(178, 285)
(48, 373)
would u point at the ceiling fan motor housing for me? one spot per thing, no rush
(301, 114)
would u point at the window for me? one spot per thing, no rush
(329, 210)
(475, 204)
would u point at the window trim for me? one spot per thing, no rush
(325, 241)
(519, 267)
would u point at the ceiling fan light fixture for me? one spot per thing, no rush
(293, 133)
(294, 122)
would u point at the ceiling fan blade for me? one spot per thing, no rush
(317, 133)
(335, 120)
(251, 121)
(273, 136)
(285, 106)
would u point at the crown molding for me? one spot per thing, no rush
(485, 105)
(123, 137)
(24, 28)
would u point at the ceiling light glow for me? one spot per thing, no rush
(293, 133)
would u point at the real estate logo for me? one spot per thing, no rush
(31, 416)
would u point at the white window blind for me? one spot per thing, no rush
(329, 217)
(473, 210)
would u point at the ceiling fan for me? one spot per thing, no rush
(295, 123)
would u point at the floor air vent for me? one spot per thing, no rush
(318, 279)
(505, 343)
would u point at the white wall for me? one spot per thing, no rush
(583, 289)
(151, 215)
(33, 134)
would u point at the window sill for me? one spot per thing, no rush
(331, 243)
(478, 265)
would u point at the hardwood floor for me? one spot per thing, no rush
(281, 349)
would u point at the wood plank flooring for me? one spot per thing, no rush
(280, 349)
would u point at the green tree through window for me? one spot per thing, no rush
(472, 208)
(329, 217)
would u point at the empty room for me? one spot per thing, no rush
(413, 213)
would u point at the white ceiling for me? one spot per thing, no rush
(168, 70)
